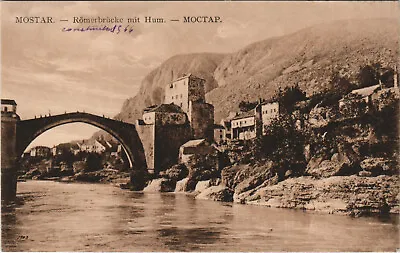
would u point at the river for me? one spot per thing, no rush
(54, 216)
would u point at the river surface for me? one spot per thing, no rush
(54, 216)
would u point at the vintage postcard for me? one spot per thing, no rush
(199, 126)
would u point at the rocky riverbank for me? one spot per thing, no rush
(345, 195)
(350, 195)
(355, 195)
(110, 176)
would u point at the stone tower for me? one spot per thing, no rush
(184, 90)
(188, 92)
(9, 159)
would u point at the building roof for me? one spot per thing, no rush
(148, 108)
(104, 143)
(8, 102)
(194, 143)
(182, 77)
(164, 108)
(364, 92)
(245, 115)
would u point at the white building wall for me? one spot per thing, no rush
(177, 93)
(269, 112)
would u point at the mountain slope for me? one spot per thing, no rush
(308, 57)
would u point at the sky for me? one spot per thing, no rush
(49, 71)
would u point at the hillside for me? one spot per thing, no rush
(308, 57)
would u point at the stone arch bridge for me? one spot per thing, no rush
(152, 147)
(125, 133)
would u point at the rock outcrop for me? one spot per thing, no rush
(339, 194)
(217, 193)
(339, 164)
(181, 185)
(160, 185)
(202, 185)
(378, 166)
(176, 172)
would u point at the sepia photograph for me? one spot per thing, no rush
(200, 126)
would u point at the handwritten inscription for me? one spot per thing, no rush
(112, 29)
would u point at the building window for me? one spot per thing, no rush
(5, 109)
(181, 104)
(181, 95)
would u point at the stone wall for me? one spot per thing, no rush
(8, 156)
(168, 140)
(146, 135)
(201, 117)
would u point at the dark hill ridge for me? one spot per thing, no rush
(308, 57)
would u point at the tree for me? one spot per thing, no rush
(66, 156)
(283, 144)
(367, 76)
(94, 162)
(289, 96)
(371, 75)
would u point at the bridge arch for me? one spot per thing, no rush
(125, 133)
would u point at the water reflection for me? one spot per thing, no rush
(88, 217)
(189, 239)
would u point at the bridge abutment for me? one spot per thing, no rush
(9, 154)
